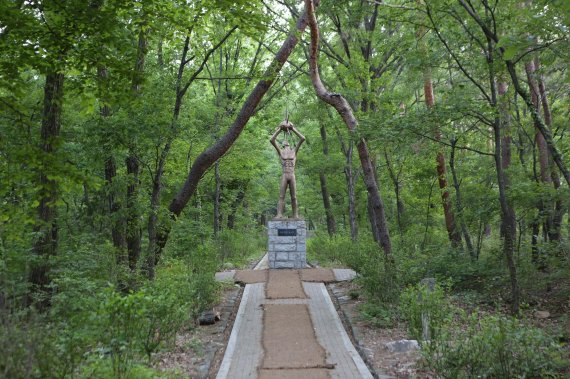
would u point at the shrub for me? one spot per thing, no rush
(419, 301)
(492, 347)
(477, 346)
(365, 257)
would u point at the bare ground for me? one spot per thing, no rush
(198, 351)
(370, 340)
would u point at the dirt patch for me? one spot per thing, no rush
(250, 276)
(198, 351)
(323, 275)
(370, 340)
(284, 284)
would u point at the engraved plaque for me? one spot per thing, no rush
(286, 232)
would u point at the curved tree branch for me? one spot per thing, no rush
(345, 111)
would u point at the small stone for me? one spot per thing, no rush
(402, 346)
(209, 317)
(542, 314)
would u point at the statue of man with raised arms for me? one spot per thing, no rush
(288, 158)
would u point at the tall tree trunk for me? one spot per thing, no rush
(530, 69)
(134, 232)
(453, 231)
(217, 190)
(331, 224)
(345, 111)
(117, 225)
(544, 210)
(539, 122)
(459, 202)
(507, 212)
(152, 226)
(351, 186)
(505, 119)
(375, 227)
(535, 254)
(46, 229)
(555, 218)
(113, 205)
(234, 207)
(450, 224)
(350, 183)
(400, 208)
(209, 156)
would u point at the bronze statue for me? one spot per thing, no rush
(288, 159)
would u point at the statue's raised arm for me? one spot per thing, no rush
(301, 138)
(274, 138)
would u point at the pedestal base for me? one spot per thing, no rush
(287, 243)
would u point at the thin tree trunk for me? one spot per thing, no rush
(374, 229)
(331, 224)
(539, 123)
(530, 69)
(535, 255)
(400, 208)
(233, 209)
(459, 202)
(450, 224)
(544, 210)
(555, 219)
(117, 225)
(46, 229)
(217, 190)
(453, 232)
(350, 183)
(134, 232)
(345, 111)
(506, 140)
(113, 205)
(507, 212)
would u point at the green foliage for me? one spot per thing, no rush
(239, 248)
(381, 315)
(93, 330)
(419, 303)
(140, 321)
(477, 345)
(377, 277)
(106, 334)
(493, 347)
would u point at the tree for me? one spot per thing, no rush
(345, 111)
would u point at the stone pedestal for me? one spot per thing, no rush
(287, 243)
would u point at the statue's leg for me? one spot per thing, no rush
(293, 190)
(281, 203)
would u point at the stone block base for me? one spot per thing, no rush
(287, 243)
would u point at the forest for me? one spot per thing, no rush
(135, 163)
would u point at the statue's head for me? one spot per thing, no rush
(285, 143)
